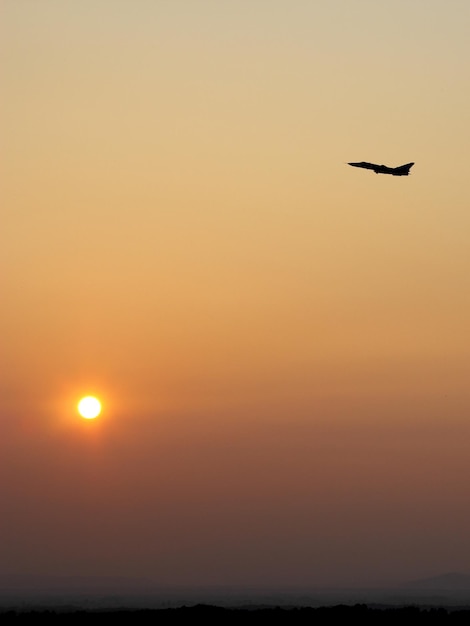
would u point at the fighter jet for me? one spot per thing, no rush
(401, 170)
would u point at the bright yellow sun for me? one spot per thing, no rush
(89, 407)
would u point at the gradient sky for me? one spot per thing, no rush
(281, 342)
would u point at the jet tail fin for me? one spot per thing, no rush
(403, 170)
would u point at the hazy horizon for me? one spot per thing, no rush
(280, 342)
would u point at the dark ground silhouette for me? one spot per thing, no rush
(341, 614)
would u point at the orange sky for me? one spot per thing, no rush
(280, 341)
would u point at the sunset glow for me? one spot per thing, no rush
(228, 357)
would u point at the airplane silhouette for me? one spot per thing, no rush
(401, 170)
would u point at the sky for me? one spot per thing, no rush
(280, 342)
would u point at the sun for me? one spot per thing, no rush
(89, 407)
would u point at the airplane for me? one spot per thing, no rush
(401, 170)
